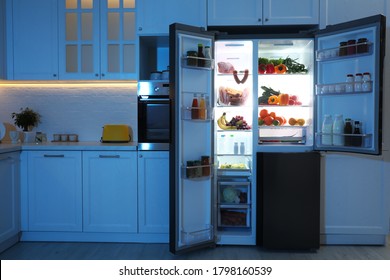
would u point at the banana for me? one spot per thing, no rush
(223, 124)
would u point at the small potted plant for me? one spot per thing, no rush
(26, 119)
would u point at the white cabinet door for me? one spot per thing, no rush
(54, 191)
(154, 17)
(153, 191)
(9, 199)
(354, 199)
(35, 41)
(233, 13)
(262, 12)
(284, 12)
(110, 191)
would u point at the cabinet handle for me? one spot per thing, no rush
(102, 74)
(55, 156)
(139, 28)
(54, 75)
(109, 156)
(140, 156)
(259, 20)
(266, 19)
(96, 75)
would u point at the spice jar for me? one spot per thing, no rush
(205, 160)
(362, 46)
(351, 47)
(192, 58)
(366, 85)
(349, 87)
(190, 171)
(343, 49)
(358, 82)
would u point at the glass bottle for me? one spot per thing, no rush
(242, 148)
(357, 140)
(201, 61)
(358, 82)
(349, 87)
(366, 85)
(194, 108)
(348, 130)
(207, 54)
(338, 130)
(327, 127)
(236, 148)
(222, 144)
(202, 108)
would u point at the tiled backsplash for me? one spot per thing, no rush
(73, 108)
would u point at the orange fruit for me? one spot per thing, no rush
(263, 113)
(292, 121)
(268, 120)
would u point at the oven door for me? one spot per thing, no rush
(153, 120)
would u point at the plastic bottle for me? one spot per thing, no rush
(201, 61)
(357, 140)
(207, 54)
(338, 130)
(348, 129)
(202, 108)
(222, 144)
(242, 148)
(231, 144)
(194, 108)
(327, 128)
(236, 148)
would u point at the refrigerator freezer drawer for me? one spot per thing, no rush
(234, 217)
(236, 193)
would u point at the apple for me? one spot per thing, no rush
(291, 102)
(294, 97)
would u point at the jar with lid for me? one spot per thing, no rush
(343, 49)
(192, 58)
(349, 86)
(205, 160)
(366, 85)
(362, 46)
(338, 130)
(358, 82)
(351, 47)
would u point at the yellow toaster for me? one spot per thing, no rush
(116, 133)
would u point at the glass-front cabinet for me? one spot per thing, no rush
(97, 39)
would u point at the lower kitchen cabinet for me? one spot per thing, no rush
(153, 191)
(54, 185)
(109, 191)
(9, 199)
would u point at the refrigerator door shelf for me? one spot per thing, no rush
(282, 134)
(365, 139)
(193, 61)
(334, 53)
(234, 217)
(197, 234)
(342, 88)
(199, 172)
(187, 114)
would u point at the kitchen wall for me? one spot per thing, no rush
(73, 108)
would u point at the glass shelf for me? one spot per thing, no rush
(333, 53)
(282, 134)
(192, 63)
(186, 113)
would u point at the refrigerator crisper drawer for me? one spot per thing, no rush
(277, 135)
(230, 216)
(234, 165)
(234, 193)
(195, 235)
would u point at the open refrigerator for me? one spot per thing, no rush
(214, 145)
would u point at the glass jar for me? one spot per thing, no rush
(351, 47)
(192, 58)
(362, 46)
(349, 87)
(358, 82)
(205, 160)
(343, 49)
(366, 85)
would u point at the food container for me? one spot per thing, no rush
(165, 75)
(156, 75)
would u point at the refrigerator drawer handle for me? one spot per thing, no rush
(109, 156)
(54, 156)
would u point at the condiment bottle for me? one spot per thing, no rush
(327, 127)
(202, 108)
(366, 86)
(201, 61)
(358, 82)
(349, 87)
(207, 55)
(357, 140)
(338, 130)
(195, 108)
(347, 131)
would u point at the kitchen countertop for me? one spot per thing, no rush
(68, 146)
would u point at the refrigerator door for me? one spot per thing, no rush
(191, 173)
(342, 93)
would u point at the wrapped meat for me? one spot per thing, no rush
(231, 96)
(225, 67)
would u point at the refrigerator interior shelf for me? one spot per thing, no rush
(234, 172)
(192, 62)
(198, 172)
(197, 234)
(234, 217)
(187, 113)
(340, 88)
(234, 206)
(285, 139)
(282, 134)
(334, 54)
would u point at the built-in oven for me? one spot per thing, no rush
(153, 115)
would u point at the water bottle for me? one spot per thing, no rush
(338, 130)
(327, 128)
(222, 144)
(242, 148)
(235, 148)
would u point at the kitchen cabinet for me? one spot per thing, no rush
(153, 191)
(97, 40)
(265, 12)
(154, 17)
(109, 191)
(2, 41)
(354, 201)
(35, 40)
(54, 184)
(9, 199)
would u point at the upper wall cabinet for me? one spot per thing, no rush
(35, 41)
(262, 12)
(97, 39)
(154, 17)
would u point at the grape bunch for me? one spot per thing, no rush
(239, 122)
